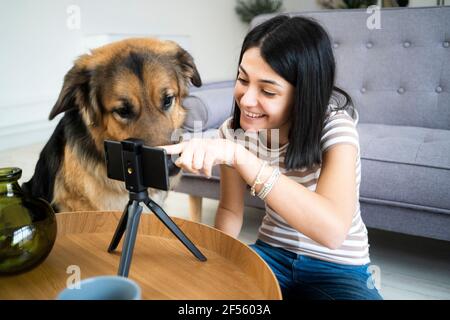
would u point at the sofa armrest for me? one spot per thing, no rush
(208, 106)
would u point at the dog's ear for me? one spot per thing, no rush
(77, 93)
(188, 67)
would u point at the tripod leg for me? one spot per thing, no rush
(120, 229)
(134, 214)
(162, 215)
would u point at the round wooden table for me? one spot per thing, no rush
(161, 265)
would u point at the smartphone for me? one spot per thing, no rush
(153, 167)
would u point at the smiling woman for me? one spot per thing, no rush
(312, 235)
(263, 97)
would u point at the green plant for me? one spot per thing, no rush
(248, 9)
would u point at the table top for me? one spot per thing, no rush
(161, 265)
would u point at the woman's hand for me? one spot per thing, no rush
(200, 155)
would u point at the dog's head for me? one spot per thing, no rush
(130, 88)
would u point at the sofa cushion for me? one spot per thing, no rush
(208, 106)
(406, 165)
(409, 145)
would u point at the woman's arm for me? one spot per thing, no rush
(325, 215)
(231, 205)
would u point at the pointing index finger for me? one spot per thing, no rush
(174, 148)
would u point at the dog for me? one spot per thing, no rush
(130, 88)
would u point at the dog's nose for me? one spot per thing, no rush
(173, 169)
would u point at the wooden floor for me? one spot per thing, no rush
(410, 267)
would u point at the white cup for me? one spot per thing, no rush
(103, 288)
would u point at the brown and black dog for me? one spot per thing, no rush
(131, 88)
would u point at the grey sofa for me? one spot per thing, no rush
(399, 79)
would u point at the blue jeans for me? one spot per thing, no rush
(303, 277)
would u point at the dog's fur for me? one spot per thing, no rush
(117, 91)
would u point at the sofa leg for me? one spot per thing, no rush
(195, 208)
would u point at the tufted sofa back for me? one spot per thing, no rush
(398, 74)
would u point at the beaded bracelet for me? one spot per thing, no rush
(268, 185)
(257, 180)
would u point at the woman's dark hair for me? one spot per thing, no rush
(299, 50)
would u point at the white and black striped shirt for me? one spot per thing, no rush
(339, 128)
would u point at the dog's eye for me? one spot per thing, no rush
(125, 111)
(167, 102)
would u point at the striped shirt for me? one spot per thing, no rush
(339, 128)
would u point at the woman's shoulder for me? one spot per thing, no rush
(225, 128)
(227, 123)
(339, 128)
(335, 113)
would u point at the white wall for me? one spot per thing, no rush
(38, 48)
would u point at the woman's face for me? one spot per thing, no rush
(264, 97)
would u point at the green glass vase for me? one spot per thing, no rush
(27, 226)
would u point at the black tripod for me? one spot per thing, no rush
(129, 222)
